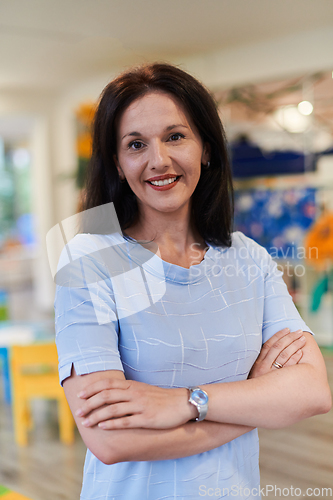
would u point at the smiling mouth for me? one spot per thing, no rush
(164, 182)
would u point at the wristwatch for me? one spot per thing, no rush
(199, 399)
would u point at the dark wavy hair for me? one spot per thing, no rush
(212, 200)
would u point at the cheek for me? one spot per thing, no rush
(131, 167)
(194, 164)
(189, 158)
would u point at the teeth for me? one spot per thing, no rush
(164, 182)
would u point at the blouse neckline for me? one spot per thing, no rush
(162, 269)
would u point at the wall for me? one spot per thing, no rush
(53, 115)
(33, 115)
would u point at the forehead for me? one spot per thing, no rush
(156, 105)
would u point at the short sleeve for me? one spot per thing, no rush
(279, 309)
(85, 314)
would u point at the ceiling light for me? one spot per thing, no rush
(291, 119)
(305, 108)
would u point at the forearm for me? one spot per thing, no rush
(149, 444)
(141, 444)
(277, 399)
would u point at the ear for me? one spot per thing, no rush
(205, 157)
(120, 172)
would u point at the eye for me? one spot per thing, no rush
(176, 136)
(135, 145)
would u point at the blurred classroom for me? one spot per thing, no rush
(270, 68)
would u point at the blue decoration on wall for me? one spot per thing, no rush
(276, 219)
(248, 160)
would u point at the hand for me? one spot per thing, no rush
(283, 347)
(123, 404)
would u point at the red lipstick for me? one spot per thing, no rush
(162, 178)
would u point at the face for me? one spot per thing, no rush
(159, 152)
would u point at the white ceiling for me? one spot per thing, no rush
(54, 43)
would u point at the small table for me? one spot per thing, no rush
(6, 494)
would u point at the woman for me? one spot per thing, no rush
(158, 358)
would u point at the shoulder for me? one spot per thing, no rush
(239, 240)
(244, 247)
(83, 259)
(85, 244)
(250, 253)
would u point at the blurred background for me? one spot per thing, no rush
(270, 68)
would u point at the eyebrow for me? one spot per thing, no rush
(175, 126)
(135, 134)
(170, 127)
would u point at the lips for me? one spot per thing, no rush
(162, 183)
(162, 177)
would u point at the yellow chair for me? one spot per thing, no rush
(34, 370)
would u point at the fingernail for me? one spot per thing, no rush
(287, 330)
(299, 331)
(102, 425)
(81, 394)
(79, 412)
(85, 422)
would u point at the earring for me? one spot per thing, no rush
(208, 164)
(121, 180)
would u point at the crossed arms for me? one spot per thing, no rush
(123, 420)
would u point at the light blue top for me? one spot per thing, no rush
(120, 307)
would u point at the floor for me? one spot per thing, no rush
(300, 456)
(45, 469)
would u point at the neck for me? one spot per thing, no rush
(167, 230)
(177, 239)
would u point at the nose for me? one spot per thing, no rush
(159, 157)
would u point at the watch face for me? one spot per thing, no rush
(199, 397)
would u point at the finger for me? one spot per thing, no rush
(102, 385)
(282, 343)
(128, 422)
(294, 359)
(290, 350)
(268, 345)
(108, 413)
(106, 397)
